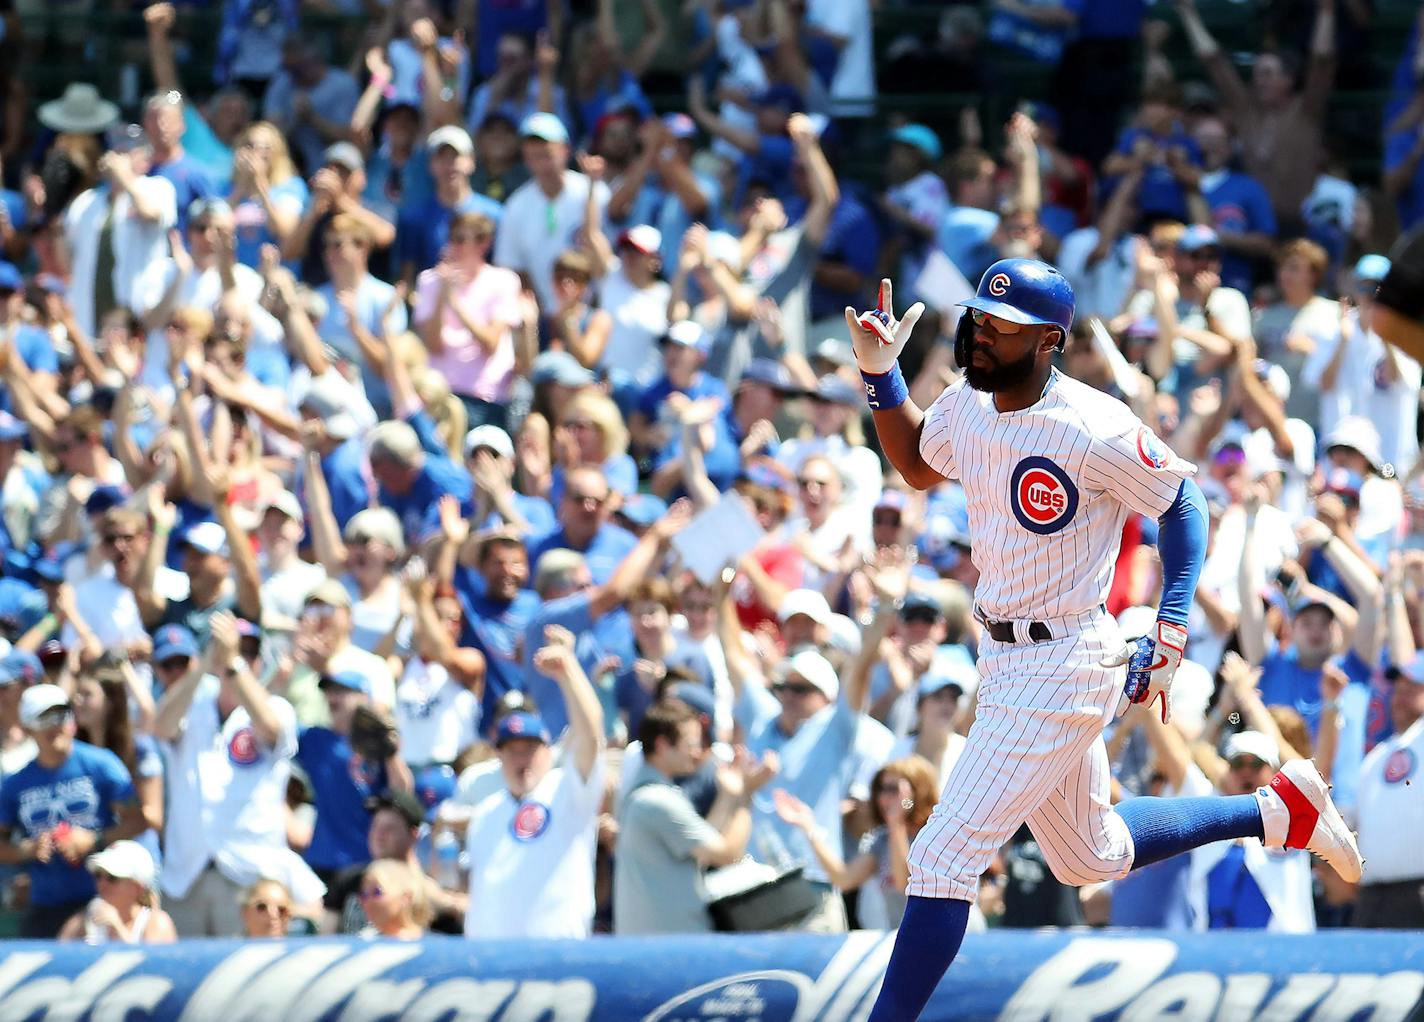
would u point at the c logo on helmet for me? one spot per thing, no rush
(1042, 496)
(1152, 451)
(999, 285)
(530, 820)
(1399, 766)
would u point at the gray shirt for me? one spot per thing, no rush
(657, 884)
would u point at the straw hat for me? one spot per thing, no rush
(80, 111)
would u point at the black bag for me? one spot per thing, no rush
(774, 904)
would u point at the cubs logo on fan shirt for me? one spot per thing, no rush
(531, 820)
(1042, 496)
(1400, 766)
(242, 747)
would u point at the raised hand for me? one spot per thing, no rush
(877, 336)
(454, 527)
(792, 810)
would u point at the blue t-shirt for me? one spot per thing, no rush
(252, 228)
(537, 511)
(609, 635)
(1021, 35)
(36, 350)
(504, 17)
(1111, 19)
(816, 767)
(633, 699)
(1410, 201)
(1154, 896)
(341, 782)
(723, 461)
(82, 792)
(190, 180)
(852, 238)
(655, 395)
(418, 508)
(1239, 203)
(346, 480)
(610, 544)
(373, 297)
(496, 629)
(1160, 191)
(424, 227)
(627, 94)
(771, 163)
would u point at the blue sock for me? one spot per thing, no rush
(1164, 827)
(928, 940)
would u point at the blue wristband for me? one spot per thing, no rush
(884, 391)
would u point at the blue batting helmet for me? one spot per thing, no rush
(1025, 291)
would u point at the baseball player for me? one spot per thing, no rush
(1051, 468)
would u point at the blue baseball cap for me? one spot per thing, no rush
(1197, 237)
(771, 373)
(699, 697)
(20, 665)
(521, 724)
(544, 125)
(919, 136)
(433, 785)
(1025, 291)
(48, 569)
(12, 428)
(103, 498)
(10, 277)
(1372, 267)
(174, 641)
(643, 509)
(353, 681)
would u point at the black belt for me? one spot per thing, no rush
(1003, 631)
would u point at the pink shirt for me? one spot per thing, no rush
(491, 297)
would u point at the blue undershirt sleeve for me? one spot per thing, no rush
(1181, 543)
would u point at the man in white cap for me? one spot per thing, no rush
(544, 213)
(423, 226)
(72, 800)
(813, 727)
(1354, 444)
(489, 458)
(805, 619)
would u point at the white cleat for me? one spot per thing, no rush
(1315, 823)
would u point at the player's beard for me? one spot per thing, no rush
(1001, 375)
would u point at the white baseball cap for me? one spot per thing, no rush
(813, 667)
(490, 436)
(127, 860)
(1357, 433)
(804, 601)
(286, 502)
(38, 700)
(1253, 743)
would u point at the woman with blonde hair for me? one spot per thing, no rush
(267, 194)
(393, 898)
(903, 794)
(125, 911)
(266, 909)
(591, 433)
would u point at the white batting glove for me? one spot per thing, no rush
(877, 336)
(1151, 665)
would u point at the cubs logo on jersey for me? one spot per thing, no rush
(1042, 496)
(1153, 452)
(999, 285)
(1400, 766)
(530, 820)
(242, 747)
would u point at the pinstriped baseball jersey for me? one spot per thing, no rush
(1048, 488)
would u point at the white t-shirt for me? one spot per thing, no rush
(1260, 448)
(226, 793)
(136, 243)
(639, 319)
(202, 289)
(1388, 807)
(536, 229)
(1274, 543)
(853, 86)
(437, 717)
(531, 860)
(110, 611)
(1102, 289)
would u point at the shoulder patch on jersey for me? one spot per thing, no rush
(1042, 496)
(530, 820)
(1152, 451)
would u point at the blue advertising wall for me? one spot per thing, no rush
(1021, 976)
